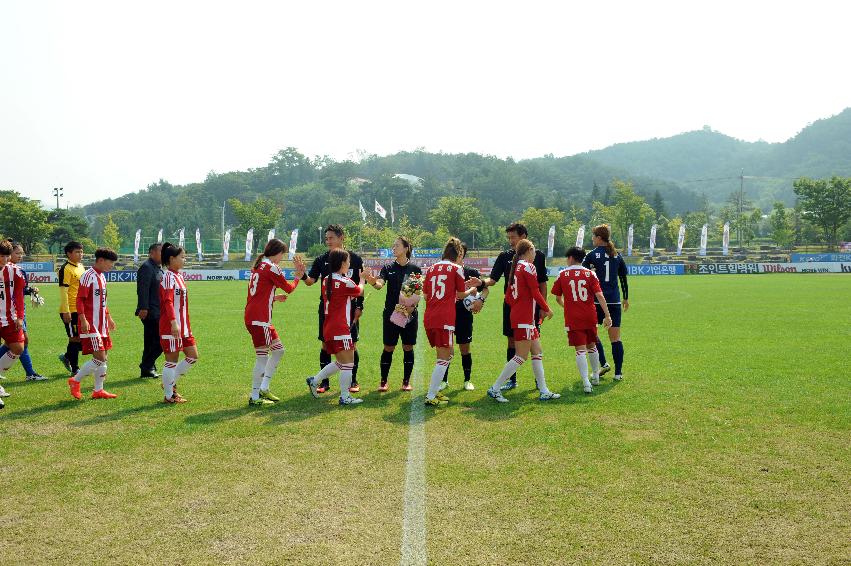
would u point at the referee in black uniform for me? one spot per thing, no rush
(321, 268)
(393, 276)
(502, 266)
(464, 325)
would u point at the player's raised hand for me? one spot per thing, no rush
(474, 282)
(370, 277)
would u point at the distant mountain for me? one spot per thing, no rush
(709, 162)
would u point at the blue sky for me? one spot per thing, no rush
(103, 98)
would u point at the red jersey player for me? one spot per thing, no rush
(523, 293)
(175, 330)
(444, 284)
(337, 294)
(575, 289)
(12, 285)
(95, 324)
(266, 278)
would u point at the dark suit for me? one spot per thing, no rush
(148, 298)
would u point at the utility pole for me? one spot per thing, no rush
(58, 192)
(223, 225)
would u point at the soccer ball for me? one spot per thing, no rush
(469, 300)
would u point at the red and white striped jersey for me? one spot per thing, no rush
(174, 304)
(338, 311)
(523, 294)
(261, 291)
(12, 285)
(443, 280)
(91, 301)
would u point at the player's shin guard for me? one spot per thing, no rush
(436, 377)
(345, 379)
(408, 363)
(594, 358)
(508, 370)
(617, 355)
(327, 372)
(88, 367)
(467, 364)
(386, 362)
(582, 366)
(7, 361)
(168, 379)
(509, 355)
(601, 353)
(276, 352)
(261, 357)
(100, 375)
(538, 372)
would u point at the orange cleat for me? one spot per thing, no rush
(354, 388)
(177, 398)
(75, 388)
(407, 387)
(383, 387)
(102, 394)
(322, 389)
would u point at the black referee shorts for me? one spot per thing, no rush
(408, 334)
(614, 311)
(463, 327)
(70, 327)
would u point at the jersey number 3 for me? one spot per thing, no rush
(252, 284)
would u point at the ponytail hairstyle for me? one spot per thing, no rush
(273, 248)
(169, 251)
(336, 259)
(604, 233)
(523, 246)
(452, 250)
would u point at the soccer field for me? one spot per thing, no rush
(727, 442)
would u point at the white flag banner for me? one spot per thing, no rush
(160, 236)
(392, 214)
(270, 236)
(580, 236)
(136, 246)
(293, 244)
(226, 246)
(198, 244)
(551, 240)
(362, 211)
(652, 239)
(249, 244)
(379, 210)
(704, 233)
(726, 240)
(680, 239)
(629, 235)
(181, 238)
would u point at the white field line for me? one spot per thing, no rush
(414, 514)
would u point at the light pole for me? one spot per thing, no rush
(320, 234)
(58, 192)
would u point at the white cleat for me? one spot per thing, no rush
(468, 385)
(497, 396)
(3, 392)
(595, 380)
(586, 387)
(443, 385)
(618, 377)
(549, 395)
(350, 400)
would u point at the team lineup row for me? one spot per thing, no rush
(453, 293)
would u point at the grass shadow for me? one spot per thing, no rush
(120, 414)
(35, 411)
(222, 415)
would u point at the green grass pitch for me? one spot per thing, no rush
(727, 442)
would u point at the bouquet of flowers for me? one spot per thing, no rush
(409, 296)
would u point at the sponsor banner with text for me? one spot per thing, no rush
(748, 268)
(798, 258)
